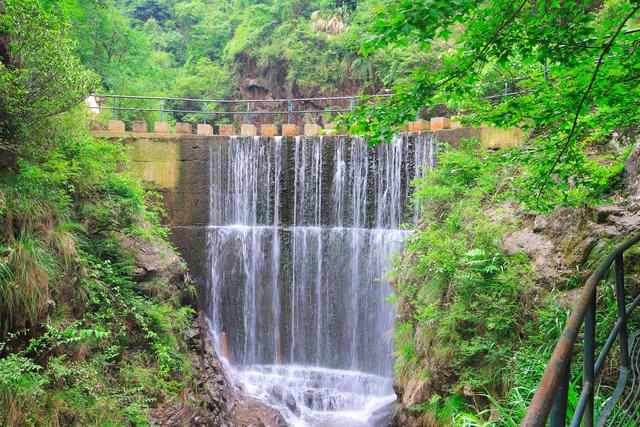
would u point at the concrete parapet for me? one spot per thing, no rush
(161, 127)
(184, 128)
(268, 130)
(226, 130)
(290, 130)
(439, 123)
(139, 126)
(116, 126)
(496, 138)
(419, 126)
(204, 129)
(333, 129)
(312, 129)
(248, 130)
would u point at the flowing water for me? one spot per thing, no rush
(300, 237)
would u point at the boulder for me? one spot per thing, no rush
(157, 265)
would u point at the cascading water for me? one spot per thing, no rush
(300, 237)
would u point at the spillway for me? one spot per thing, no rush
(301, 233)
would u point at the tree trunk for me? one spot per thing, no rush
(8, 158)
(5, 41)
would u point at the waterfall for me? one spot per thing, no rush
(300, 238)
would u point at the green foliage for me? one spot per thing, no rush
(570, 64)
(80, 342)
(207, 49)
(474, 330)
(39, 77)
(466, 296)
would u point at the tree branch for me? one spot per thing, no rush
(583, 99)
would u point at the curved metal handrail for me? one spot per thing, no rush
(550, 398)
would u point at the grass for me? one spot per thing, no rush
(80, 342)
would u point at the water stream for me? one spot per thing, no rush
(301, 234)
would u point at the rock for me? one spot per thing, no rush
(212, 399)
(290, 402)
(277, 391)
(158, 266)
(602, 214)
(381, 417)
(539, 224)
(540, 249)
(632, 177)
(308, 398)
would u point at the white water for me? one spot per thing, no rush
(300, 239)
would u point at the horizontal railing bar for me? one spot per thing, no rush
(240, 101)
(200, 112)
(321, 111)
(614, 333)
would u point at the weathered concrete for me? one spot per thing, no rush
(248, 130)
(116, 126)
(178, 168)
(185, 128)
(439, 123)
(419, 126)
(312, 129)
(268, 130)
(496, 138)
(226, 130)
(139, 127)
(204, 129)
(290, 130)
(161, 127)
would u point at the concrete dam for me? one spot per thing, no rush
(289, 240)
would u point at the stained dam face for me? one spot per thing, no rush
(301, 233)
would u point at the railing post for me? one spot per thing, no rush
(588, 379)
(289, 111)
(506, 88)
(622, 312)
(162, 110)
(558, 416)
(115, 108)
(248, 117)
(353, 104)
(204, 111)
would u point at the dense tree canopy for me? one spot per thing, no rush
(39, 77)
(571, 68)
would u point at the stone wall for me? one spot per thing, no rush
(178, 168)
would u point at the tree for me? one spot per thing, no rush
(39, 76)
(144, 10)
(571, 63)
(5, 39)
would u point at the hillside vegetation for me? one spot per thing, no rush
(85, 337)
(228, 48)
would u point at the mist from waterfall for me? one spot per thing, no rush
(301, 235)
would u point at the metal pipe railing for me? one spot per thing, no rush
(247, 112)
(550, 399)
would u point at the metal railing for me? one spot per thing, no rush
(247, 107)
(550, 399)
